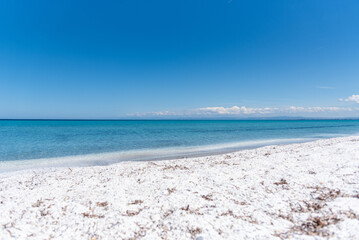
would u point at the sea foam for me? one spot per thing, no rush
(99, 159)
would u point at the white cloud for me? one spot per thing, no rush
(352, 98)
(318, 109)
(156, 114)
(235, 110)
(246, 111)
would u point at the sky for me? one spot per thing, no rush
(179, 59)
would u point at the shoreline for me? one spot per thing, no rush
(15, 167)
(303, 190)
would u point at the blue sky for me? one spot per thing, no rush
(175, 59)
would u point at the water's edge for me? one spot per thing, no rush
(31, 145)
(9, 168)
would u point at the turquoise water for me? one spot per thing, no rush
(49, 143)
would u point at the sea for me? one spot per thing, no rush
(32, 144)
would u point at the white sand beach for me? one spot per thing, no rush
(299, 191)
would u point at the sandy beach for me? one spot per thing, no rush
(299, 191)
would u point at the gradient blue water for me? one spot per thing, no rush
(31, 139)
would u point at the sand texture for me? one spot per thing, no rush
(302, 191)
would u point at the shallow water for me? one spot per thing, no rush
(51, 142)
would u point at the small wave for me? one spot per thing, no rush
(137, 155)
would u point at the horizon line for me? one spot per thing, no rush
(179, 119)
